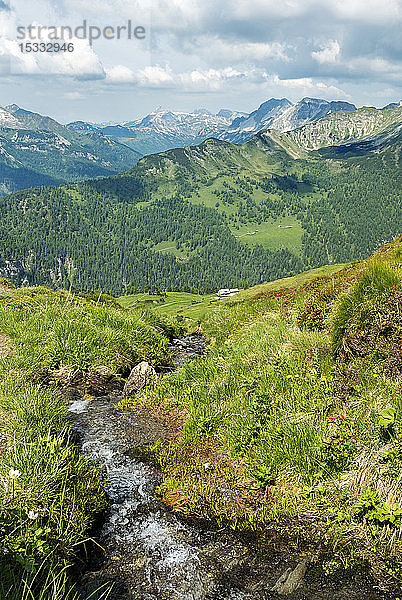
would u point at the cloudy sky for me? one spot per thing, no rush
(201, 53)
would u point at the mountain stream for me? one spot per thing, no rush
(146, 552)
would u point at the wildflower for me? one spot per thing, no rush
(375, 374)
(32, 515)
(207, 466)
(14, 474)
(288, 377)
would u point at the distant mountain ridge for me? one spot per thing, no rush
(282, 115)
(37, 150)
(165, 129)
(370, 125)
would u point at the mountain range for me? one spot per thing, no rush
(370, 127)
(282, 115)
(216, 214)
(165, 129)
(37, 150)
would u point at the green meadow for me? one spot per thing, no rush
(291, 422)
(184, 304)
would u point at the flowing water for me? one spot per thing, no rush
(146, 551)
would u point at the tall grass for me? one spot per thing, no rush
(276, 424)
(47, 332)
(47, 584)
(375, 280)
(49, 492)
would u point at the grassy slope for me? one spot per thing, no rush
(196, 307)
(287, 282)
(284, 232)
(294, 416)
(191, 306)
(49, 340)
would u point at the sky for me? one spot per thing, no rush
(198, 53)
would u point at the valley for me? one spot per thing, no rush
(182, 219)
(174, 304)
(201, 300)
(284, 431)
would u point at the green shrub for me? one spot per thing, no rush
(370, 508)
(366, 308)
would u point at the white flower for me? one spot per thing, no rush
(14, 474)
(207, 466)
(32, 515)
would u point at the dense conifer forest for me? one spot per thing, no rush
(105, 234)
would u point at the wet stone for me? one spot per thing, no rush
(186, 349)
(139, 377)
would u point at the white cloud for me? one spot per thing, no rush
(120, 74)
(243, 50)
(385, 93)
(215, 80)
(235, 52)
(374, 11)
(360, 10)
(180, 14)
(212, 79)
(269, 8)
(307, 86)
(375, 67)
(82, 63)
(74, 96)
(156, 76)
(329, 53)
(196, 80)
(163, 77)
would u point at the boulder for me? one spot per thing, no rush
(291, 580)
(138, 378)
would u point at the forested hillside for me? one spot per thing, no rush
(209, 216)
